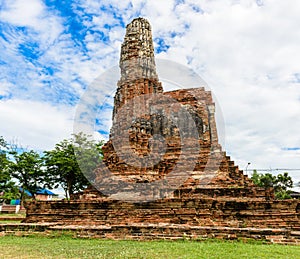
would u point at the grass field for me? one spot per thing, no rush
(68, 247)
(12, 215)
(11, 218)
(10, 221)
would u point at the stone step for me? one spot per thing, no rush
(161, 231)
(286, 241)
(295, 234)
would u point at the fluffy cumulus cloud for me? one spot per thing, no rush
(33, 124)
(247, 51)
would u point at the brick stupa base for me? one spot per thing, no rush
(211, 213)
(229, 205)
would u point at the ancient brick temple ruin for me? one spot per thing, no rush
(164, 173)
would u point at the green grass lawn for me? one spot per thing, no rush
(68, 247)
(12, 215)
(10, 221)
(11, 218)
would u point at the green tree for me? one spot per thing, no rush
(88, 154)
(281, 183)
(8, 189)
(284, 182)
(26, 167)
(72, 162)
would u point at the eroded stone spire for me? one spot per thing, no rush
(137, 52)
(137, 64)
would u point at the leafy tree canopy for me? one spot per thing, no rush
(27, 168)
(72, 162)
(8, 189)
(281, 183)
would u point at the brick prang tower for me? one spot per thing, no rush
(137, 64)
(139, 78)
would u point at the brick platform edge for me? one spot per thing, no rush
(223, 217)
(157, 232)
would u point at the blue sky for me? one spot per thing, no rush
(247, 51)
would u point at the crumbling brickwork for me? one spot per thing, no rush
(139, 78)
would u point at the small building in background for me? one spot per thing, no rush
(41, 194)
(45, 195)
(15, 206)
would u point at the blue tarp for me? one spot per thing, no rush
(39, 191)
(45, 191)
(25, 191)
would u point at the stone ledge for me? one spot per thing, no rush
(159, 231)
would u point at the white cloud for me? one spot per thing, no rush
(21, 13)
(4, 88)
(32, 15)
(35, 125)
